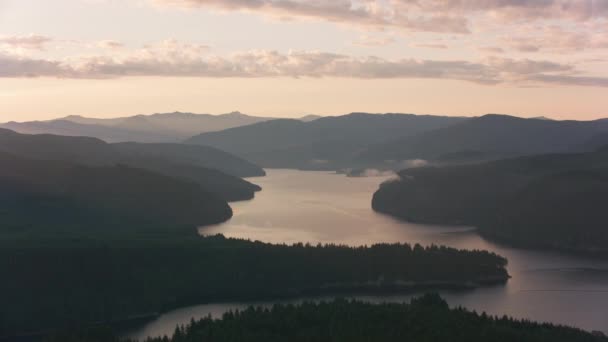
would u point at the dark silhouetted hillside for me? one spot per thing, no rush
(489, 137)
(63, 283)
(192, 163)
(82, 150)
(228, 187)
(543, 201)
(202, 156)
(564, 211)
(38, 193)
(426, 318)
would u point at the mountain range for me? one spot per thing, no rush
(355, 141)
(325, 143)
(393, 141)
(491, 136)
(216, 171)
(161, 127)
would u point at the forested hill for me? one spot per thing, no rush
(427, 318)
(552, 201)
(360, 140)
(490, 136)
(64, 283)
(38, 194)
(216, 171)
(197, 155)
(325, 143)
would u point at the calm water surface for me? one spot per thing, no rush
(303, 206)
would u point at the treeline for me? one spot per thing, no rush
(548, 201)
(50, 283)
(427, 318)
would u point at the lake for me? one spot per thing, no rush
(305, 206)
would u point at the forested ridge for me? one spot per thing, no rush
(427, 318)
(40, 195)
(215, 171)
(490, 137)
(549, 201)
(49, 282)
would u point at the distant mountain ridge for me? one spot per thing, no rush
(106, 133)
(160, 127)
(353, 141)
(491, 136)
(324, 143)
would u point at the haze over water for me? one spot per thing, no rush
(321, 207)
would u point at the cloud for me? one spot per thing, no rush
(432, 46)
(412, 15)
(376, 173)
(555, 38)
(15, 66)
(413, 163)
(175, 59)
(110, 44)
(377, 13)
(32, 41)
(264, 63)
(526, 66)
(517, 10)
(491, 49)
(572, 80)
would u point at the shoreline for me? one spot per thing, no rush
(335, 290)
(500, 240)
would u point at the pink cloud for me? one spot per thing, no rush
(32, 41)
(175, 59)
(373, 13)
(412, 15)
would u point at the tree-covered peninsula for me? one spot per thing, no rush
(427, 318)
(547, 201)
(51, 283)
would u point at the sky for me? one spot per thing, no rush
(289, 58)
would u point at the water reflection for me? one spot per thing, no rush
(297, 206)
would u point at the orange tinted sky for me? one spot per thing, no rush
(107, 58)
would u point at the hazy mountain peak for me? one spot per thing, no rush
(136, 118)
(5, 131)
(72, 117)
(310, 117)
(494, 116)
(235, 114)
(176, 113)
(157, 127)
